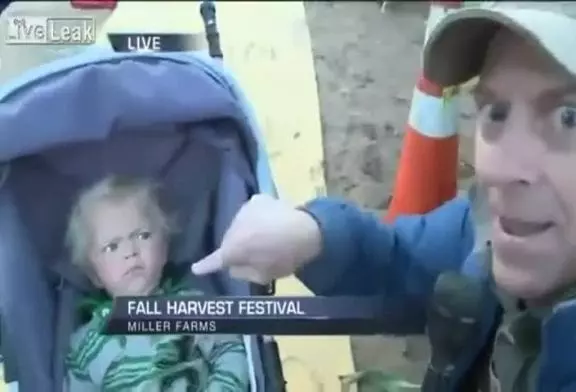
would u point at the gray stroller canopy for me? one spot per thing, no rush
(178, 118)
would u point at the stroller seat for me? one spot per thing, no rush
(178, 118)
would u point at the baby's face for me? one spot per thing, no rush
(127, 253)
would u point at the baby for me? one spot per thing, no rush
(118, 234)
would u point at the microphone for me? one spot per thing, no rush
(208, 13)
(454, 319)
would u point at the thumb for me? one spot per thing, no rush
(209, 264)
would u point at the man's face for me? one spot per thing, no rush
(526, 156)
(128, 253)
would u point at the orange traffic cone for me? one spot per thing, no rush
(428, 169)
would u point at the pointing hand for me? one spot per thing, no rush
(268, 239)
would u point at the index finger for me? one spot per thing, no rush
(214, 262)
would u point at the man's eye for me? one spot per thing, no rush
(494, 113)
(564, 118)
(497, 112)
(111, 247)
(144, 235)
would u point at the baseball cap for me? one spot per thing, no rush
(455, 50)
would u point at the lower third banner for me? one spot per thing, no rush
(261, 316)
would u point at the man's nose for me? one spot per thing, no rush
(514, 158)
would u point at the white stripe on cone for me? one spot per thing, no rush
(433, 116)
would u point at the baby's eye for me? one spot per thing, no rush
(564, 118)
(144, 235)
(111, 247)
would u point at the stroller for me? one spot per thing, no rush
(177, 117)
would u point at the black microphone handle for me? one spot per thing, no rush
(208, 12)
(453, 321)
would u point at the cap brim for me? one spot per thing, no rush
(457, 46)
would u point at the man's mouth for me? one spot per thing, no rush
(520, 228)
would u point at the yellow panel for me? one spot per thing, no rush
(268, 46)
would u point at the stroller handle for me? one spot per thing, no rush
(208, 12)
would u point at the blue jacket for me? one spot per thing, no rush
(363, 256)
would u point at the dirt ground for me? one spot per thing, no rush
(366, 65)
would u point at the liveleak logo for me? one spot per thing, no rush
(40, 30)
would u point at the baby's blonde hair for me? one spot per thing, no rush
(115, 189)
